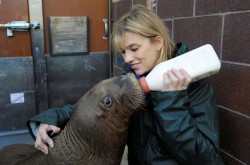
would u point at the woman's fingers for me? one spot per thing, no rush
(55, 129)
(40, 145)
(187, 78)
(42, 138)
(176, 80)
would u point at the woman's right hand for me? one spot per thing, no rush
(176, 79)
(43, 141)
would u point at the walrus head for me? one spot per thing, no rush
(114, 98)
(98, 126)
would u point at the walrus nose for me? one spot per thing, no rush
(123, 77)
(123, 81)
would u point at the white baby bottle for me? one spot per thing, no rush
(199, 63)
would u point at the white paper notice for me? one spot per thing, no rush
(17, 98)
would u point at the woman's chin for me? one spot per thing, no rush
(139, 72)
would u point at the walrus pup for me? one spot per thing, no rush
(96, 132)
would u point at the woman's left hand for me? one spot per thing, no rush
(174, 80)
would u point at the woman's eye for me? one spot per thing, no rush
(107, 101)
(133, 50)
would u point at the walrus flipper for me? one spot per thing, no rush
(12, 154)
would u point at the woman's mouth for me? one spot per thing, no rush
(134, 66)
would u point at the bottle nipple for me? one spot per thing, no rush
(144, 85)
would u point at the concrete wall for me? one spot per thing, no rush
(225, 24)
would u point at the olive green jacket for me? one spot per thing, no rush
(177, 127)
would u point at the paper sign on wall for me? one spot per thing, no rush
(17, 98)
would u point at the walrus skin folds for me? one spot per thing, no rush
(96, 132)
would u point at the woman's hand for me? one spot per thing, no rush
(42, 138)
(176, 80)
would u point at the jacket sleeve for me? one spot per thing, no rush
(186, 123)
(55, 116)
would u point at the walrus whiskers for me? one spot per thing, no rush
(136, 92)
(96, 132)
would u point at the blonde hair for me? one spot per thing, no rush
(140, 20)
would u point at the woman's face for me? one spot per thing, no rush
(140, 52)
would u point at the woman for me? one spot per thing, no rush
(178, 125)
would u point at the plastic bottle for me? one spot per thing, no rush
(199, 63)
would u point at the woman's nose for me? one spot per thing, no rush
(128, 57)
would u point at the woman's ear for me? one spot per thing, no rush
(158, 40)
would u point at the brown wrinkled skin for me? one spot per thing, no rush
(95, 134)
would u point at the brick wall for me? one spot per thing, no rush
(225, 24)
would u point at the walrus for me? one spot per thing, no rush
(96, 132)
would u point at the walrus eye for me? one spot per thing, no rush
(107, 101)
